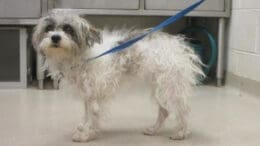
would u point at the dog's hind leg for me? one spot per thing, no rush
(90, 128)
(170, 99)
(182, 111)
(162, 115)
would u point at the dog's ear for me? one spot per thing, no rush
(37, 33)
(91, 35)
(94, 35)
(36, 37)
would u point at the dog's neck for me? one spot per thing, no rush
(64, 66)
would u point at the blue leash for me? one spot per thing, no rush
(165, 23)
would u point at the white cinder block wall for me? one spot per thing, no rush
(244, 39)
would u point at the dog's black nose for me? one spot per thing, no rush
(55, 38)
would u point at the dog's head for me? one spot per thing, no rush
(63, 36)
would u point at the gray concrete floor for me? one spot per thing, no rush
(219, 117)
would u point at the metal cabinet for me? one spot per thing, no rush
(27, 12)
(210, 8)
(97, 4)
(20, 8)
(208, 5)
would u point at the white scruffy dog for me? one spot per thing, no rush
(164, 60)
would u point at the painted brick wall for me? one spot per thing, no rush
(244, 39)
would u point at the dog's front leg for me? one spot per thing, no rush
(89, 129)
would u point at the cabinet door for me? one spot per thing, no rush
(97, 4)
(208, 5)
(20, 8)
(9, 55)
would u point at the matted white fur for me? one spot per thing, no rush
(164, 60)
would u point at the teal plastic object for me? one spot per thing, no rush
(198, 48)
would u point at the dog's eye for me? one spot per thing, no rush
(49, 28)
(67, 28)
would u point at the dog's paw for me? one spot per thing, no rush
(82, 135)
(149, 131)
(180, 135)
